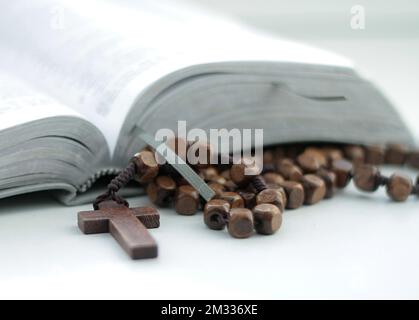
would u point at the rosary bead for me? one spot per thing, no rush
(314, 189)
(332, 154)
(399, 187)
(187, 200)
(356, 154)
(238, 176)
(215, 214)
(240, 223)
(276, 197)
(284, 162)
(161, 190)
(329, 179)
(375, 155)
(295, 194)
(289, 170)
(367, 178)
(396, 154)
(318, 154)
(217, 188)
(218, 179)
(241, 174)
(147, 167)
(267, 218)
(308, 162)
(249, 199)
(233, 198)
(273, 178)
(343, 171)
(208, 174)
(413, 159)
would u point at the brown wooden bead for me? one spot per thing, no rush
(267, 218)
(396, 154)
(238, 176)
(399, 187)
(161, 190)
(209, 174)
(187, 200)
(295, 174)
(375, 155)
(240, 223)
(367, 178)
(355, 153)
(284, 162)
(413, 159)
(241, 174)
(233, 198)
(329, 178)
(147, 166)
(343, 171)
(308, 162)
(289, 170)
(314, 189)
(217, 188)
(249, 199)
(219, 179)
(273, 178)
(332, 154)
(276, 197)
(216, 212)
(295, 194)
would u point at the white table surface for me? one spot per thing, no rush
(353, 246)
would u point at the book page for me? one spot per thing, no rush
(97, 56)
(20, 104)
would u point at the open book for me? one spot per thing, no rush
(79, 81)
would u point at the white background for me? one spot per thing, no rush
(353, 246)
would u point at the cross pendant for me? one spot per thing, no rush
(127, 226)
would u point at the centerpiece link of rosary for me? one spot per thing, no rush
(292, 176)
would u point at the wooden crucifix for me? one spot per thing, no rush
(127, 226)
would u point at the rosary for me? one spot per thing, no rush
(292, 176)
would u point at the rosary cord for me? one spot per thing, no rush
(382, 180)
(117, 184)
